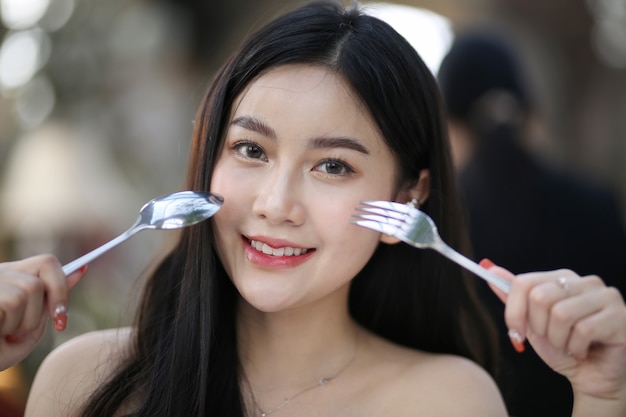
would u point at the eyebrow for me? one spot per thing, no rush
(322, 142)
(254, 125)
(326, 142)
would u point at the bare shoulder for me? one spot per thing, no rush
(74, 370)
(420, 383)
(458, 386)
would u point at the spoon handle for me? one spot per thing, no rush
(90, 256)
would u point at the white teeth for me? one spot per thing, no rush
(284, 251)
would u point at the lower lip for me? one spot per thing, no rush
(261, 259)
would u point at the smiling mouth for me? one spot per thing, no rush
(283, 251)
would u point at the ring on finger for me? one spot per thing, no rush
(563, 283)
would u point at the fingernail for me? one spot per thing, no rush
(486, 263)
(517, 340)
(83, 269)
(12, 338)
(60, 317)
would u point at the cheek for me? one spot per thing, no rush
(220, 179)
(226, 184)
(350, 239)
(355, 247)
(230, 183)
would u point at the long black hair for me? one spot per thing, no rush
(184, 357)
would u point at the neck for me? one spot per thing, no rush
(292, 349)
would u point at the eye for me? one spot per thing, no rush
(334, 167)
(249, 150)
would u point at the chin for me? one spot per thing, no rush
(264, 299)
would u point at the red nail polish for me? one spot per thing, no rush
(12, 338)
(60, 317)
(517, 341)
(83, 269)
(486, 263)
(518, 346)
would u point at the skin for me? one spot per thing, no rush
(578, 330)
(285, 188)
(31, 291)
(293, 323)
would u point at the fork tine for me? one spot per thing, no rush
(417, 229)
(382, 212)
(379, 219)
(388, 205)
(387, 229)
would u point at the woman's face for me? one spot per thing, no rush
(300, 153)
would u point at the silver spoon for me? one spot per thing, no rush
(172, 211)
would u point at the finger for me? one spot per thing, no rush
(16, 347)
(30, 337)
(75, 277)
(583, 298)
(518, 308)
(48, 269)
(489, 265)
(516, 334)
(58, 285)
(33, 294)
(12, 305)
(604, 326)
(567, 314)
(542, 299)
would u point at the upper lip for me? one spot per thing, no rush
(275, 243)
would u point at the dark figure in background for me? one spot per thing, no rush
(523, 214)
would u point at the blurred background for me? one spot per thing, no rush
(97, 101)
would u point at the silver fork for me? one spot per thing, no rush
(416, 228)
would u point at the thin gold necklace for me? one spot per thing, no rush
(320, 383)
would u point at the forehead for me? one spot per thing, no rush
(300, 79)
(307, 96)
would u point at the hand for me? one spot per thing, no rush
(31, 290)
(577, 325)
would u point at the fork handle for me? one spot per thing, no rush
(472, 266)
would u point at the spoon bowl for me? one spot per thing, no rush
(172, 211)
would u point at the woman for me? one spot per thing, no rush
(279, 306)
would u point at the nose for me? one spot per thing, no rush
(278, 201)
